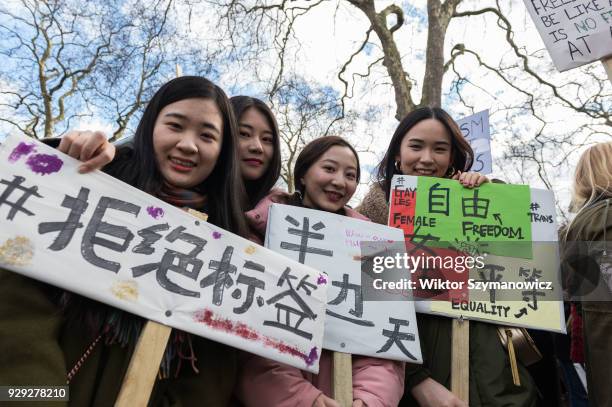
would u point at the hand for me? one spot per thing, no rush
(470, 179)
(324, 401)
(92, 148)
(430, 393)
(359, 403)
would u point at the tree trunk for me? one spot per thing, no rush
(438, 16)
(392, 58)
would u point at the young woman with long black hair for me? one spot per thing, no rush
(325, 176)
(183, 152)
(428, 142)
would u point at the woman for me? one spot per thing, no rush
(587, 252)
(184, 152)
(428, 142)
(258, 147)
(326, 175)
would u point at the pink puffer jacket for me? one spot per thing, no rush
(266, 383)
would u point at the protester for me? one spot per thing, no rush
(587, 260)
(325, 176)
(428, 142)
(258, 147)
(183, 152)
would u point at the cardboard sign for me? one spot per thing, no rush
(334, 244)
(575, 32)
(101, 238)
(475, 129)
(509, 232)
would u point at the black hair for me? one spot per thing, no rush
(312, 152)
(259, 188)
(135, 162)
(462, 155)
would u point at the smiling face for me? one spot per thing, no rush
(256, 144)
(425, 150)
(187, 140)
(331, 180)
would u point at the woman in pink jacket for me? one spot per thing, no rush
(326, 175)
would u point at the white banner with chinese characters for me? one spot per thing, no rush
(574, 32)
(491, 252)
(103, 239)
(333, 244)
(475, 129)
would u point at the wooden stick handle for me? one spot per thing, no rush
(460, 359)
(607, 63)
(343, 379)
(144, 365)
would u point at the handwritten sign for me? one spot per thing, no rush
(332, 244)
(508, 232)
(475, 129)
(575, 32)
(103, 239)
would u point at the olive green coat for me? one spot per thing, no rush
(38, 347)
(593, 224)
(490, 375)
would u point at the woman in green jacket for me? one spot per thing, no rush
(587, 260)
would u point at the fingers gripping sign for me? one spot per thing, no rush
(92, 148)
(324, 401)
(470, 179)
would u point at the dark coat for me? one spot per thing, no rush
(490, 375)
(40, 342)
(38, 347)
(593, 224)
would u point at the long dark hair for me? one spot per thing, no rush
(462, 155)
(257, 189)
(136, 165)
(312, 152)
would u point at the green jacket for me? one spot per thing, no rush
(490, 375)
(593, 224)
(38, 347)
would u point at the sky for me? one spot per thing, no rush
(331, 32)
(324, 39)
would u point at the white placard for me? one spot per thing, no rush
(575, 32)
(331, 243)
(101, 238)
(475, 129)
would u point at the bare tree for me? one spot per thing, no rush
(524, 74)
(304, 112)
(65, 58)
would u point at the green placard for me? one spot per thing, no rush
(493, 213)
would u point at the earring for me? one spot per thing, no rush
(450, 172)
(398, 166)
(298, 195)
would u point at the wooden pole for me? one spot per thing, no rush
(460, 359)
(607, 63)
(143, 368)
(342, 379)
(140, 377)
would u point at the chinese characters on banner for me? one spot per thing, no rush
(103, 239)
(332, 244)
(511, 228)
